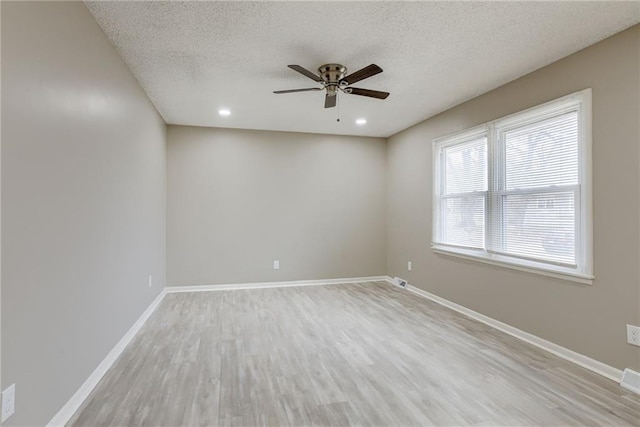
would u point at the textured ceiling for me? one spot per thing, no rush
(193, 58)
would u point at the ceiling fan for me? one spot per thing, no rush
(332, 78)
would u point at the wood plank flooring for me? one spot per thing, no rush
(361, 354)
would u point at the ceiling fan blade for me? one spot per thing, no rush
(364, 73)
(367, 92)
(330, 101)
(297, 90)
(305, 72)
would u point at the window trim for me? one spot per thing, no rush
(583, 272)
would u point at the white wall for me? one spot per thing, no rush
(83, 202)
(239, 199)
(588, 319)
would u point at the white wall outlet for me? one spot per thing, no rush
(150, 281)
(8, 402)
(633, 335)
(276, 264)
(409, 266)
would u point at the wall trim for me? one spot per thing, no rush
(631, 380)
(73, 404)
(593, 365)
(283, 284)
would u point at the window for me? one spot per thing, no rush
(517, 191)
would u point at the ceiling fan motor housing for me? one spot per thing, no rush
(331, 74)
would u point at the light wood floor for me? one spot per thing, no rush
(362, 354)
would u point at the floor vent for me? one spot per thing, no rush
(400, 282)
(631, 380)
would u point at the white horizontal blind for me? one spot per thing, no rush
(463, 193)
(537, 189)
(517, 191)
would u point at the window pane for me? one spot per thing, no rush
(463, 221)
(542, 154)
(540, 226)
(466, 167)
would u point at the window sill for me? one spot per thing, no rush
(526, 266)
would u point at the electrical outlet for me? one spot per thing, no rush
(8, 402)
(276, 264)
(633, 335)
(150, 281)
(409, 266)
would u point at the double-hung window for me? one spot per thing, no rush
(517, 191)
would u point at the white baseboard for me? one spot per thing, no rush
(260, 285)
(631, 380)
(64, 415)
(593, 365)
(73, 404)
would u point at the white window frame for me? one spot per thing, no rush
(582, 272)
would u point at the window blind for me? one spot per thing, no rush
(464, 187)
(517, 190)
(536, 189)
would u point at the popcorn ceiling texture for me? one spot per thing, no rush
(193, 58)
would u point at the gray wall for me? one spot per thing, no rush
(83, 196)
(587, 319)
(83, 202)
(0, 211)
(239, 199)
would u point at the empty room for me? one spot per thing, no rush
(373, 213)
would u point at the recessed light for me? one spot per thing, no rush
(224, 112)
(361, 122)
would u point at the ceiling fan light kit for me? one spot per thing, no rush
(333, 79)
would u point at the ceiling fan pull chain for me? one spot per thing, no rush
(338, 102)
